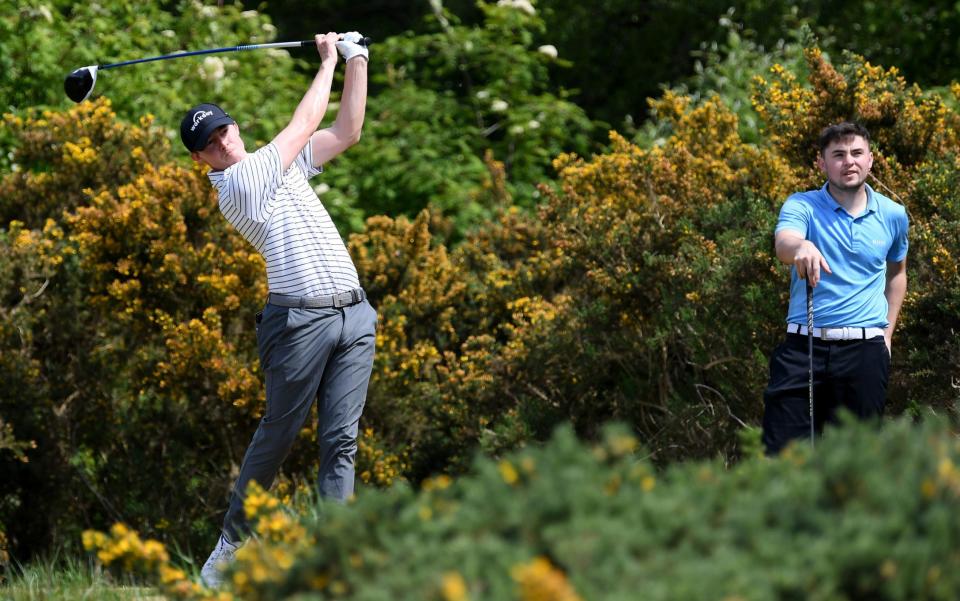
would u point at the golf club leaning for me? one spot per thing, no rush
(810, 355)
(79, 83)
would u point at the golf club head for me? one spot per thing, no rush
(80, 82)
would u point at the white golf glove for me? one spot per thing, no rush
(350, 48)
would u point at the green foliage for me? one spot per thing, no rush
(727, 69)
(45, 40)
(914, 36)
(868, 515)
(445, 99)
(442, 99)
(624, 50)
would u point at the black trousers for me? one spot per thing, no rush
(847, 374)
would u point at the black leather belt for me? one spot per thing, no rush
(341, 299)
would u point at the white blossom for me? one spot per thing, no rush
(321, 188)
(483, 94)
(44, 11)
(213, 68)
(168, 33)
(548, 49)
(533, 124)
(499, 105)
(516, 130)
(249, 14)
(521, 5)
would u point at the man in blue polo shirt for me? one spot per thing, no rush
(850, 244)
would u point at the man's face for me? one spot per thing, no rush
(224, 148)
(847, 163)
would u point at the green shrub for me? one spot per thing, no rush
(869, 514)
(444, 100)
(43, 41)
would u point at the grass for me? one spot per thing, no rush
(70, 579)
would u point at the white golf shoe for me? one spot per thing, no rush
(221, 557)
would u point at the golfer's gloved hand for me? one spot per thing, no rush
(350, 48)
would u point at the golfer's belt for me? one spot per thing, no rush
(341, 299)
(841, 333)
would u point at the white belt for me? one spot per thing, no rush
(841, 333)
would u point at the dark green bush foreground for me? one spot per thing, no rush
(870, 514)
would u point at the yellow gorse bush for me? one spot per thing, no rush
(122, 549)
(143, 288)
(278, 537)
(277, 541)
(377, 465)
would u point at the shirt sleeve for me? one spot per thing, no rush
(898, 250)
(251, 184)
(794, 216)
(304, 162)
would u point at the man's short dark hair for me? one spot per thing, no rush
(840, 131)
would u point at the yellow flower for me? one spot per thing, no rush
(453, 587)
(946, 468)
(539, 580)
(169, 575)
(508, 472)
(622, 445)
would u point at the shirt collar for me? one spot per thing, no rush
(832, 202)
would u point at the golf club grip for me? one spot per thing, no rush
(364, 41)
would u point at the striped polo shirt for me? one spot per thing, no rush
(280, 215)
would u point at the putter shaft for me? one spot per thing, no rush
(810, 356)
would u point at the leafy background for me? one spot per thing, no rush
(562, 212)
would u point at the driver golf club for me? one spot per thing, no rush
(79, 83)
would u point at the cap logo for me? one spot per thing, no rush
(200, 116)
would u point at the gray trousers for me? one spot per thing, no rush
(308, 354)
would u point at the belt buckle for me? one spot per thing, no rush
(833, 333)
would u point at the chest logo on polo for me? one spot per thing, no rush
(878, 242)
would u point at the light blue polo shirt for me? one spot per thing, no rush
(856, 249)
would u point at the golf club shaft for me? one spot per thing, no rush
(301, 44)
(810, 355)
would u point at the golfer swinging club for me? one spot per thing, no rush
(850, 244)
(316, 333)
